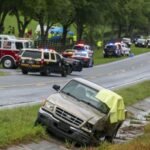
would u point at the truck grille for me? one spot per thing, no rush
(68, 117)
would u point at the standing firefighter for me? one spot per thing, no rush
(99, 44)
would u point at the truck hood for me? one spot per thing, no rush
(75, 107)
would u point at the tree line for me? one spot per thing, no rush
(90, 17)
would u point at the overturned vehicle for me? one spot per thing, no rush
(82, 111)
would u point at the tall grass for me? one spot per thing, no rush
(135, 93)
(17, 125)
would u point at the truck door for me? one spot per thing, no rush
(0, 49)
(58, 63)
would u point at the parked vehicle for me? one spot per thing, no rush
(44, 61)
(79, 111)
(127, 41)
(140, 43)
(68, 53)
(148, 43)
(116, 49)
(82, 47)
(86, 60)
(125, 49)
(110, 50)
(135, 38)
(7, 37)
(83, 53)
(75, 65)
(10, 49)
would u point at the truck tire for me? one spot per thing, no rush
(45, 73)
(24, 71)
(64, 73)
(8, 63)
(69, 70)
(109, 138)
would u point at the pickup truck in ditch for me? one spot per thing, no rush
(82, 111)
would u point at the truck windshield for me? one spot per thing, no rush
(86, 94)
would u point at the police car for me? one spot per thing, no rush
(83, 53)
(45, 61)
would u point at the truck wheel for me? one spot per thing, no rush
(37, 122)
(8, 63)
(45, 73)
(42, 73)
(64, 73)
(109, 138)
(24, 71)
(69, 69)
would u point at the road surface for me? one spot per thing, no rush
(17, 89)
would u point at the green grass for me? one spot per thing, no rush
(139, 143)
(3, 73)
(135, 93)
(17, 125)
(99, 59)
(11, 21)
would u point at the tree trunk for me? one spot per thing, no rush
(79, 30)
(65, 28)
(2, 19)
(22, 25)
(119, 31)
(42, 30)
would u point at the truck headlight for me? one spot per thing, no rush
(88, 127)
(49, 106)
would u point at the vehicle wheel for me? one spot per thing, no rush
(8, 63)
(37, 122)
(92, 63)
(109, 138)
(24, 71)
(105, 56)
(64, 73)
(44, 73)
(69, 70)
(15, 67)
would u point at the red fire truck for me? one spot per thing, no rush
(9, 51)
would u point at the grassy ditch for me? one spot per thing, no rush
(17, 125)
(135, 93)
(139, 143)
(99, 59)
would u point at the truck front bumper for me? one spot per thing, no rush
(62, 129)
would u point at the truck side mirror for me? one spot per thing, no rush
(56, 87)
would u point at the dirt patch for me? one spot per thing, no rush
(134, 125)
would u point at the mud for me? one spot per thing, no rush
(139, 116)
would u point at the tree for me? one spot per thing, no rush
(46, 13)
(127, 15)
(87, 13)
(22, 11)
(5, 7)
(66, 17)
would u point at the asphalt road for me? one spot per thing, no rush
(17, 89)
